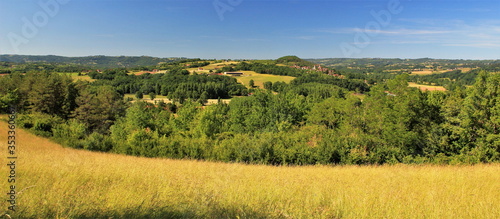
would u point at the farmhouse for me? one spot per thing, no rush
(234, 73)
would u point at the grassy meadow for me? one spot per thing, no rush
(428, 72)
(259, 79)
(424, 87)
(67, 183)
(77, 77)
(159, 98)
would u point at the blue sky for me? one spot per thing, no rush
(253, 29)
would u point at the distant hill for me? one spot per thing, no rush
(395, 61)
(294, 60)
(91, 61)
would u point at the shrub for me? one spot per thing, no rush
(70, 134)
(97, 142)
(39, 123)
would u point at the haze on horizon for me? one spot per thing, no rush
(252, 29)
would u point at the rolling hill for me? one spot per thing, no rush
(91, 61)
(57, 182)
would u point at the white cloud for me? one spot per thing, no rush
(475, 45)
(387, 32)
(305, 37)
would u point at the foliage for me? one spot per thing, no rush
(315, 119)
(98, 107)
(293, 60)
(66, 183)
(92, 61)
(353, 85)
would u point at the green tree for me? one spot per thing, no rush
(51, 93)
(251, 83)
(211, 120)
(185, 116)
(152, 95)
(203, 98)
(268, 85)
(139, 95)
(332, 111)
(482, 117)
(99, 107)
(11, 98)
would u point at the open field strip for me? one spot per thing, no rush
(69, 183)
(424, 87)
(465, 70)
(427, 72)
(259, 79)
(76, 77)
(160, 98)
(143, 72)
(212, 66)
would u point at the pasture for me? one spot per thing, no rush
(212, 66)
(259, 79)
(77, 77)
(427, 72)
(57, 182)
(431, 71)
(426, 87)
(144, 72)
(160, 98)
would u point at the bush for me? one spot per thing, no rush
(39, 123)
(70, 134)
(97, 142)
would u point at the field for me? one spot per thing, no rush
(76, 77)
(427, 72)
(146, 98)
(159, 98)
(212, 66)
(259, 79)
(431, 71)
(143, 72)
(56, 182)
(426, 87)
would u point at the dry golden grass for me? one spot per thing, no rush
(72, 183)
(465, 70)
(212, 66)
(426, 87)
(259, 79)
(160, 98)
(428, 72)
(76, 77)
(143, 72)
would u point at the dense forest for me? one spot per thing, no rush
(315, 119)
(12, 67)
(91, 61)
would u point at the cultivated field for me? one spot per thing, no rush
(259, 79)
(56, 182)
(426, 87)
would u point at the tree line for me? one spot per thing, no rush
(304, 123)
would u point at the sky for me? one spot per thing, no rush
(253, 29)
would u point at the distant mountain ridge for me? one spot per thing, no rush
(101, 61)
(98, 61)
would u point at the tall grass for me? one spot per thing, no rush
(68, 183)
